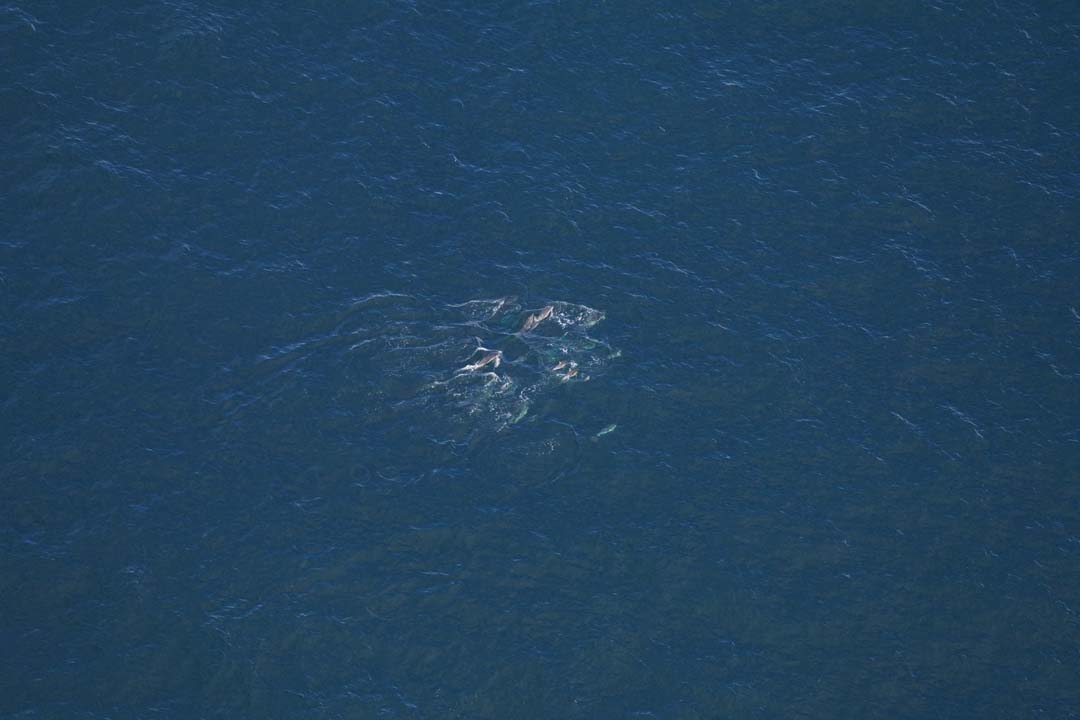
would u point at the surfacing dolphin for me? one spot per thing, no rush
(537, 317)
(490, 357)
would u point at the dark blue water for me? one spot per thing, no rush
(799, 436)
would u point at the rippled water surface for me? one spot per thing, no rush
(540, 360)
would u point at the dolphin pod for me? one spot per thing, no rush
(514, 355)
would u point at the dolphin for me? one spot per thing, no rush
(537, 317)
(490, 357)
(569, 366)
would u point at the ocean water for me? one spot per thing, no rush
(290, 432)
